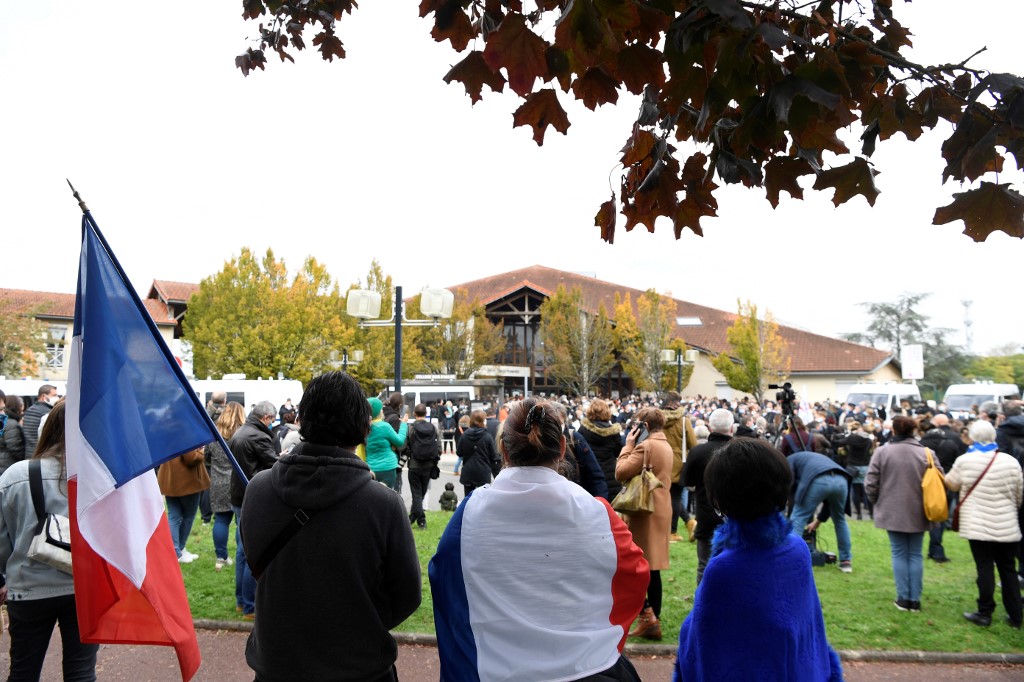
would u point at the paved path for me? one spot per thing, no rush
(224, 661)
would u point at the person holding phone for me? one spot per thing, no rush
(646, 442)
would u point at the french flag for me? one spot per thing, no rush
(534, 579)
(129, 408)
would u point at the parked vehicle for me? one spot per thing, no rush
(28, 389)
(960, 398)
(888, 396)
(248, 392)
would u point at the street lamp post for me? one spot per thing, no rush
(677, 357)
(364, 305)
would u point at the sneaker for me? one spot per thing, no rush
(902, 604)
(981, 619)
(915, 607)
(940, 559)
(675, 537)
(191, 557)
(186, 558)
(249, 616)
(691, 530)
(1012, 623)
(846, 567)
(219, 564)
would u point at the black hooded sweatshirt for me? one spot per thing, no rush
(326, 602)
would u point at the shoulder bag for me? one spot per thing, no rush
(955, 525)
(637, 495)
(51, 543)
(933, 492)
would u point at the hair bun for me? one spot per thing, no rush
(534, 416)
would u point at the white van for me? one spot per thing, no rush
(889, 395)
(248, 392)
(28, 389)
(960, 398)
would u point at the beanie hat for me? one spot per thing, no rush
(375, 406)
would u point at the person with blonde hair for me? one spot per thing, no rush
(230, 417)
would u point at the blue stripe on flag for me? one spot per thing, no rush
(136, 409)
(455, 643)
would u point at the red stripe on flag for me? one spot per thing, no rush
(632, 575)
(111, 610)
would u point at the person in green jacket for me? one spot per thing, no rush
(382, 459)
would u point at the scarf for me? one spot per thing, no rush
(982, 447)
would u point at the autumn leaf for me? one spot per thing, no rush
(856, 177)
(519, 51)
(970, 151)
(251, 59)
(330, 45)
(584, 33)
(781, 96)
(595, 88)
(540, 110)
(452, 24)
(474, 73)
(638, 148)
(605, 219)
(639, 65)
(780, 175)
(699, 201)
(984, 210)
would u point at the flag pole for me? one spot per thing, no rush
(156, 333)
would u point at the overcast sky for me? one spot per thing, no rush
(183, 162)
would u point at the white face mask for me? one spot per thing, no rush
(53, 399)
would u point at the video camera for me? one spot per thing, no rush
(785, 397)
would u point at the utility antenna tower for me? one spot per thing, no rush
(968, 334)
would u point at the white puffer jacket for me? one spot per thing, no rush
(990, 513)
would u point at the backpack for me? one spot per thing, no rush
(423, 444)
(933, 491)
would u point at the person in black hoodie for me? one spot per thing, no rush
(329, 595)
(424, 444)
(605, 440)
(480, 461)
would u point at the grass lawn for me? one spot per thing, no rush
(858, 607)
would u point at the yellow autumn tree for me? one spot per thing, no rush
(460, 344)
(758, 354)
(641, 336)
(578, 344)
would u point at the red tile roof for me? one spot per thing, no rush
(809, 353)
(172, 292)
(62, 306)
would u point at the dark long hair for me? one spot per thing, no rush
(532, 434)
(51, 442)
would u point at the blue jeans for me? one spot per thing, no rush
(181, 514)
(907, 564)
(831, 489)
(245, 583)
(221, 524)
(935, 548)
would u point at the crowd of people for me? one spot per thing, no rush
(750, 484)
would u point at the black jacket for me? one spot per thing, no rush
(693, 477)
(591, 475)
(605, 440)
(479, 456)
(12, 445)
(30, 424)
(421, 429)
(253, 447)
(858, 449)
(946, 445)
(330, 596)
(1009, 434)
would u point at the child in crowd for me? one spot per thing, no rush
(449, 500)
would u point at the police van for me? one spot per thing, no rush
(248, 392)
(28, 389)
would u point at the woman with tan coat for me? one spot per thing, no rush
(650, 531)
(181, 480)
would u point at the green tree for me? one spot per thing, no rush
(252, 318)
(641, 336)
(578, 344)
(759, 93)
(22, 339)
(944, 363)
(758, 353)
(893, 324)
(462, 343)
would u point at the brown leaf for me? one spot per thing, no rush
(984, 210)
(540, 110)
(474, 73)
(894, 114)
(605, 219)
(970, 151)
(651, 25)
(251, 59)
(330, 45)
(519, 51)
(638, 147)
(584, 33)
(595, 88)
(780, 174)
(699, 201)
(452, 24)
(639, 65)
(856, 177)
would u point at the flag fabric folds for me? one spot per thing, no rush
(129, 408)
(534, 579)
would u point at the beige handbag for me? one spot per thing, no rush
(637, 496)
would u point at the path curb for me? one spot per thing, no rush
(928, 657)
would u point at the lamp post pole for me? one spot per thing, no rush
(679, 371)
(398, 339)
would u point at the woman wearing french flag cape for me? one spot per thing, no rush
(534, 579)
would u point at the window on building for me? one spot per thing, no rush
(55, 346)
